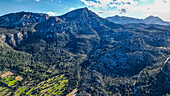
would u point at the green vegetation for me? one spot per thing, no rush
(4, 91)
(10, 81)
(54, 85)
(29, 92)
(20, 91)
(43, 65)
(36, 62)
(12, 59)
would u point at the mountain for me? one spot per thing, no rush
(55, 55)
(127, 20)
(123, 19)
(21, 19)
(155, 20)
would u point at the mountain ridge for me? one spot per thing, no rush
(127, 20)
(85, 51)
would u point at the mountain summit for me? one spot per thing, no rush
(155, 20)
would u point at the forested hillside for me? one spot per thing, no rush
(43, 55)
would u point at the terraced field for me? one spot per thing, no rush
(53, 86)
(10, 81)
(20, 91)
(4, 91)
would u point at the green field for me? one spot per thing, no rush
(4, 91)
(10, 81)
(53, 85)
(20, 91)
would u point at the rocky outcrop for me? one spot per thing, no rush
(13, 39)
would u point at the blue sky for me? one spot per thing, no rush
(104, 8)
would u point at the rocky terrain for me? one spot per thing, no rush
(84, 51)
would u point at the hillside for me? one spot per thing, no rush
(53, 55)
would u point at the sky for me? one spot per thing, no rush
(104, 8)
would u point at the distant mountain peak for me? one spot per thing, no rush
(127, 20)
(155, 20)
(123, 19)
(153, 17)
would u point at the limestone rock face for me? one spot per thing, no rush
(3, 37)
(10, 40)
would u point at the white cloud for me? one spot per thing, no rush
(51, 13)
(37, 0)
(159, 8)
(98, 3)
(108, 4)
